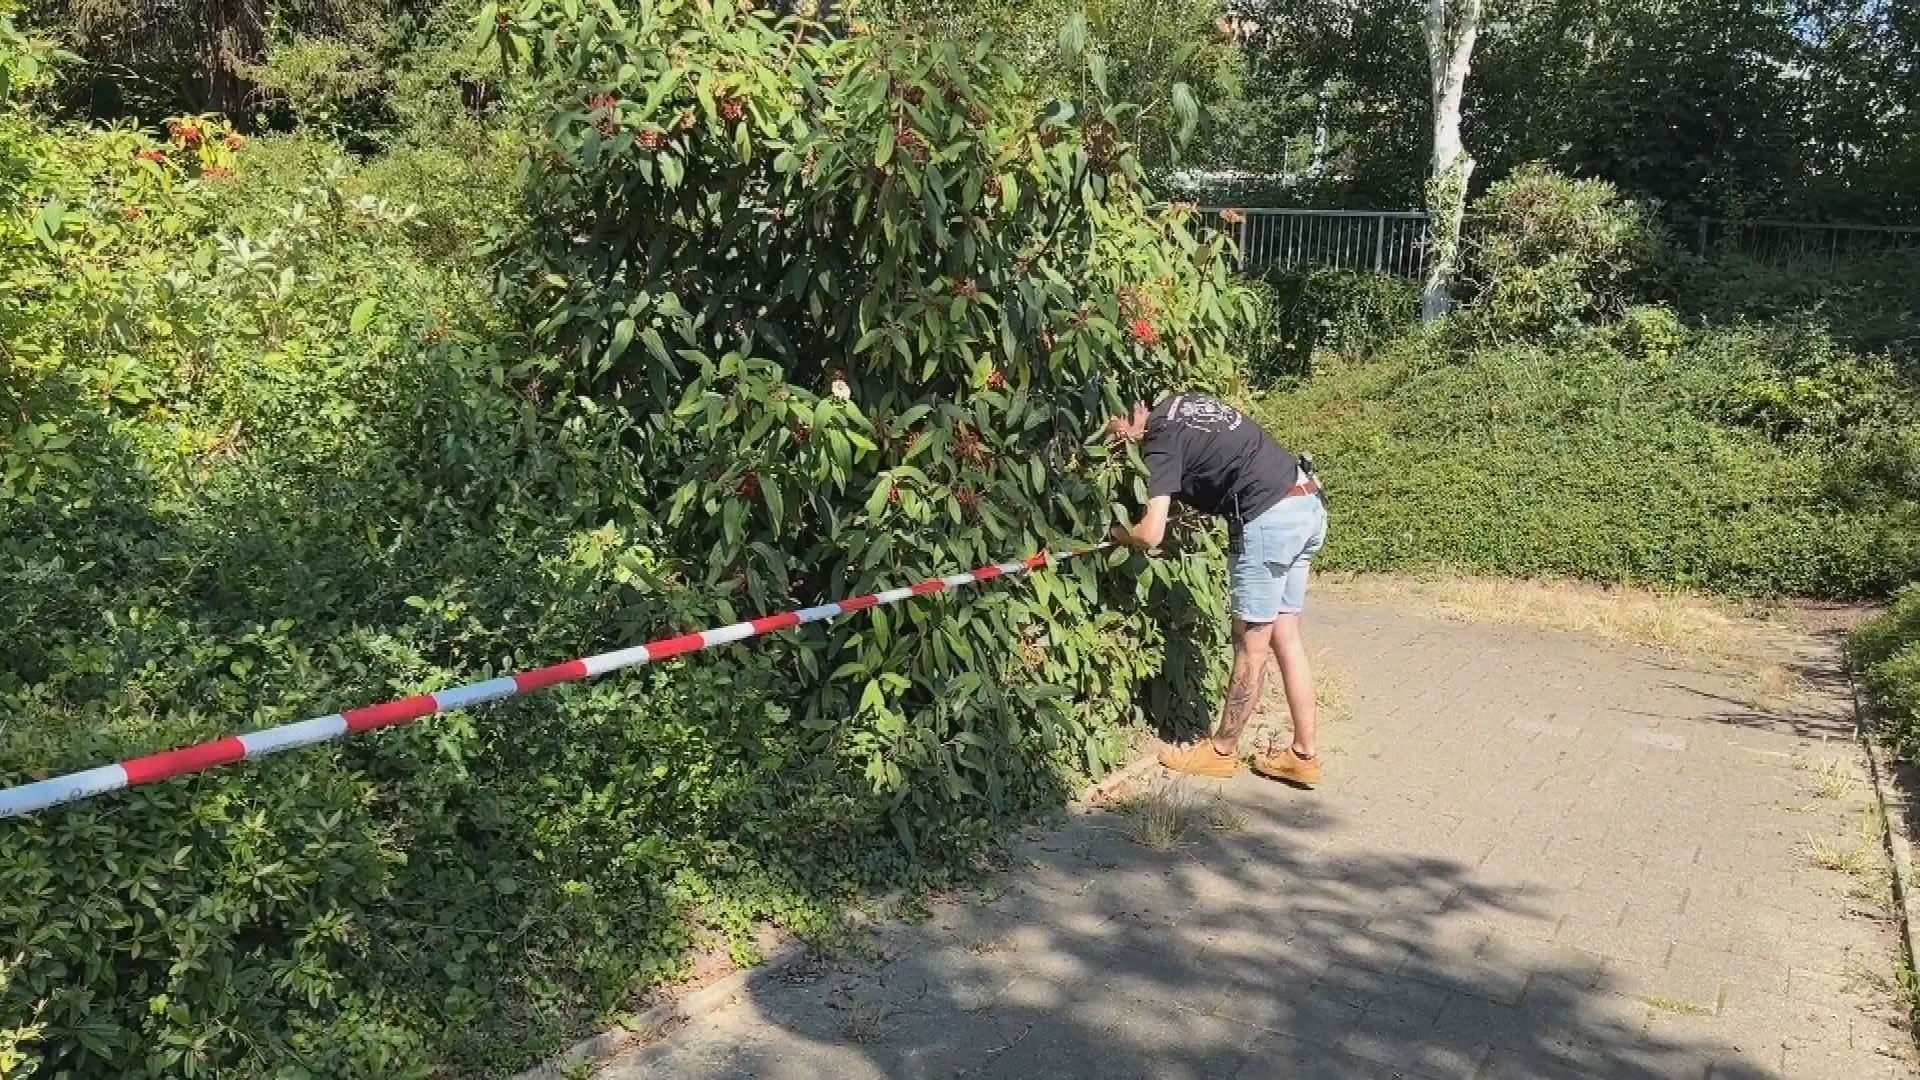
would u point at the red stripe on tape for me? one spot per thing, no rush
(145, 770)
(926, 587)
(766, 624)
(674, 646)
(986, 572)
(390, 712)
(859, 603)
(540, 678)
(1035, 561)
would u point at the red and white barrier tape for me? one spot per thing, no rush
(27, 798)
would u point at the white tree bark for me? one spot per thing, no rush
(1452, 26)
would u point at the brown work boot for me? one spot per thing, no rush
(1289, 766)
(1199, 759)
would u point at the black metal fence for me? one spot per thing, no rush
(1794, 241)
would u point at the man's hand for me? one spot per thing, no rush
(1152, 528)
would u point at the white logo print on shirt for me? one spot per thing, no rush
(1205, 413)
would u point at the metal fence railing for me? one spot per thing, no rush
(1396, 241)
(1793, 241)
(1378, 241)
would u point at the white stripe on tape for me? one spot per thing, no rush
(957, 580)
(1013, 568)
(614, 661)
(815, 614)
(893, 596)
(55, 790)
(288, 736)
(727, 635)
(459, 697)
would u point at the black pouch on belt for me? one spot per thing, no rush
(1306, 467)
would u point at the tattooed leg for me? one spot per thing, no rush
(1252, 644)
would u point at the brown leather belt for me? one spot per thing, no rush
(1308, 486)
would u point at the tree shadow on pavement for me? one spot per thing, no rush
(1263, 942)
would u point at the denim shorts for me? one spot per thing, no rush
(1267, 568)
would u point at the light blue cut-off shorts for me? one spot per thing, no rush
(1268, 569)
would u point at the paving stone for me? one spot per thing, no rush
(1804, 1063)
(1619, 892)
(1420, 1049)
(1614, 942)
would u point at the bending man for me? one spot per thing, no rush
(1208, 455)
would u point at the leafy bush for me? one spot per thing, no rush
(1866, 303)
(1593, 460)
(1885, 652)
(1341, 311)
(292, 452)
(1545, 254)
(868, 326)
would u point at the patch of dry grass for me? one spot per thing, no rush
(1223, 816)
(1860, 859)
(1833, 778)
(1779, 685)
(1848, 859)
(1676, 622)
(1161, 816)
(867, 1021)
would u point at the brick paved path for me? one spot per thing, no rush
(1534, 856)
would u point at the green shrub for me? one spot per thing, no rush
(1866, 303)
(1885, 653)
(1879, 639)
(1591, 460)
(1546, 254)
(869, 325)
(298, 455)
(1311, 311)
(1652, 332)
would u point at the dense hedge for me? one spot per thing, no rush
(792, 317)
(1742, 460)
(1885, 653)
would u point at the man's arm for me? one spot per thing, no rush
(1150, 530)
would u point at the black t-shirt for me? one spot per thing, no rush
(1208, 455)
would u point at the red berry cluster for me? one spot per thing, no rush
(967, 289)
(154, 156)
(800, 432)
(605, 105)
(914, 95)
(186, 133)
(910, 143)
(893, 495)
(977, 116)
(234, 142)
(969, 502)
(132, 213)
(966, 445)
(1144, 333)
(997, 380)
(217, 172)
(750, 487)
(653, 140)
(992, 187)
(732, 109)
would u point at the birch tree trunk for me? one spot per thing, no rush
(1452, 26)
